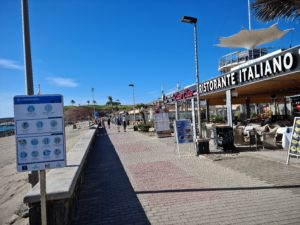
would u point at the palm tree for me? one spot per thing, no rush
(110, 101)
(94, 102)
(72, 102)
(267, 10)
(88, 102)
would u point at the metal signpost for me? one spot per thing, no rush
(40, 137)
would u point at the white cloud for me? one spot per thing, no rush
(10, 64)
(62, 82)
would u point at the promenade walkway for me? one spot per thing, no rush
(132, 178)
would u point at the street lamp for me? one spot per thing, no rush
(193, 20)
(93, 103)
(27, 49)
(132, 85)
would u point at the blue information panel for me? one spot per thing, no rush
(40, 138)
(183, 130)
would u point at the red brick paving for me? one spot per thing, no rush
(129, 148)
(163, 183)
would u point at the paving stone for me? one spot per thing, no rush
(132, 178)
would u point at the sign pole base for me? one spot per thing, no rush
(43, 197)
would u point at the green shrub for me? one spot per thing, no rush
(253, 115)
(217, 118)
(143, 127)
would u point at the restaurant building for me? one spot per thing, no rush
(252, 83)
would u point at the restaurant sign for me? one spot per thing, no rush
(280, 64)
(187, 93)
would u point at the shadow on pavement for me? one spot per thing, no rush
(107, 196)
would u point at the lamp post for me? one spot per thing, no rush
(132, 85)
(27, 49)
(93, 103)
(33, 177)
(193, 20)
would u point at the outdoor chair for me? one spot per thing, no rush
(269, 138)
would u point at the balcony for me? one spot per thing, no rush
(236, 58)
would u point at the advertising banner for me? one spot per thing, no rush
(183, 131)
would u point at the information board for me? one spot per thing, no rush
(183, 131)
(40, 139)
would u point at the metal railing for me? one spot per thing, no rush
(239, 57)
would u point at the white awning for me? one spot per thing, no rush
(249, 39)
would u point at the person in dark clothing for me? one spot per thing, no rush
(124, 122)
(108, 122)
(118, 121)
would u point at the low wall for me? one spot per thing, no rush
(62, 186)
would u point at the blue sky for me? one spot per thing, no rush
(107, 44)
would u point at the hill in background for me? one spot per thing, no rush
(79, 113)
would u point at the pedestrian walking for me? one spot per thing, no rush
(124, 122)
(98, 122)
(118, 122)
(108, 122)
(102, 122)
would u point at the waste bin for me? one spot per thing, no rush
(202, 146)
(224, 138)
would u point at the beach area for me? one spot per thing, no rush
(14, 185)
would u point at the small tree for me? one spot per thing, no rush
(88, 102)
(73, 102)
(110, 100)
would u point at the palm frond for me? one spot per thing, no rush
(267, 10)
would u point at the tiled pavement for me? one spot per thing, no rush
(132, 178)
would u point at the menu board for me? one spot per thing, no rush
(40, 140)
(162, 122)
(183, 131)
(295, 141)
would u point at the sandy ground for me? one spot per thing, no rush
(13, 185)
